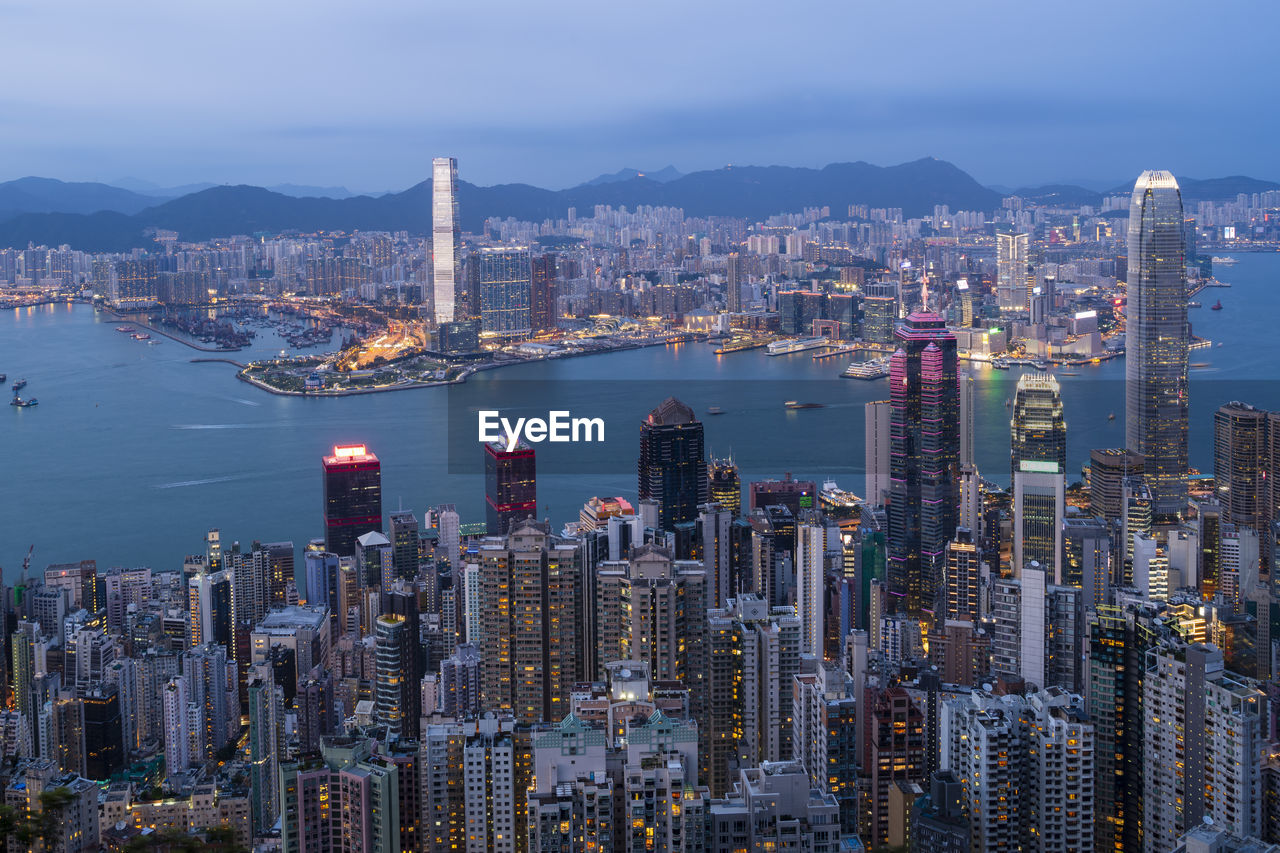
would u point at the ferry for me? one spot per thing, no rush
(140, 336)
(4, 377)
(128, 330)
(1193, 304)
(23, 404)
(715, 410)
(19, 385)
(1228, 261)
(877, 369)
(1217, 306)
(1000, 365)
(1040, 364)
(792, 404)
(795, 345)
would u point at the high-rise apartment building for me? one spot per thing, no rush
(446, 238)
(1156, 339)
(725, 485)
(352, 497)
(924, 463)
(1108, 469)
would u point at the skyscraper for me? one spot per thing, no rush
(542, 307)
(391, 654)
(673, 466)
(924, 467)
(1013, 287)
(876, 440)
(1037, 431)
(1239, 467)
(446, 237)
(732, 284)
(505, 279)
(1156, 339)
(726, 485)
(352, 497)
(510, 486)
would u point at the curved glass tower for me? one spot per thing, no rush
(1156, 339)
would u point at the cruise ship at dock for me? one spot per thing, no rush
(791, 345)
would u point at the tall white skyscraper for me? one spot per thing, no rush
(877, 451)
(811, 547)
(446, 236)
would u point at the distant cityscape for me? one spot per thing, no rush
(706, 664)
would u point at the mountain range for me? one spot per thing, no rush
(101, 217)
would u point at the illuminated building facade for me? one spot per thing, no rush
(352, 497)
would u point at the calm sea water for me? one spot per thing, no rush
(134, 451)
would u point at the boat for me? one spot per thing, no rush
(126, 329)
(19, 385)
(153, 343)
(877, 369)
(4, 377)
(1193, 304)
(715, 410)
(1219, 343)
(283, 354)
(1217, 306)
(792, 404)
(1111, 417)
(141, 336)
(1040, 364)
(1228, 261)
(23, 404)
(1008, 403)
(791, 345)
(999, 365)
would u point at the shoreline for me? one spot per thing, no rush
(125, 319)
(412, 386)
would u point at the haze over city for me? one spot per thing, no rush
(553, 94)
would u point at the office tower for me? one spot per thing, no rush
(963, 575)
(1037, 431)
(1013, 279)
(1239, 561)
(810, 563)
(104, 752)
(733, 284)
(266, 727)
(773, 542)
(352, 497)
(1108, 469)
(542, 307)
(1203, 746)
(404, 544)
(876, 451)
(924, 460)
(938, 820)
(720, 557)
(446, 237)
(392, 644)
(1240, 470)
(1039, 508)
(1086, 562)
(879, 313)
(528, 623)
(374, 564)
(897, 753)
(449, 526)
(511, 486)
(504, 277)
(725, 487)
(672, 468)
(1156, 339)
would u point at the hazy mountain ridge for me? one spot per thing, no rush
(99, 217)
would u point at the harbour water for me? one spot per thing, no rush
(135, 451)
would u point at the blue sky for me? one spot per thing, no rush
(553, 93)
